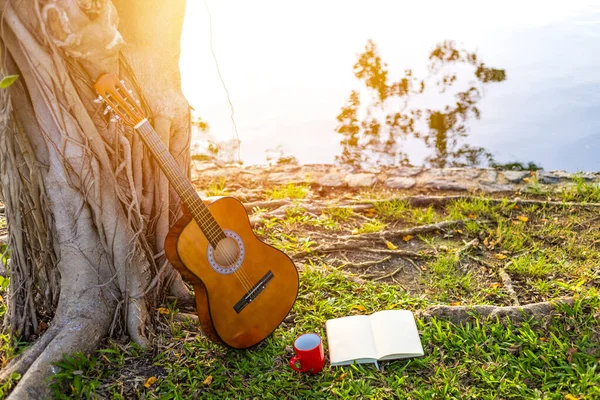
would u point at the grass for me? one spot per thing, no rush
(289, 191)
(471, 361)
(581, 191)
(217, 188)
(548, 252)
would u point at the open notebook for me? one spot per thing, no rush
(384, 335)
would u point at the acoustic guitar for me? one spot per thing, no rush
(244, 288)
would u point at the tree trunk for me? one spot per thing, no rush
(87, 208)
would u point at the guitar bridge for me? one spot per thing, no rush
(254, 292)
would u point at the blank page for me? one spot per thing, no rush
(350, 339)
(395, 334)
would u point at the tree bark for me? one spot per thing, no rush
(86, 206)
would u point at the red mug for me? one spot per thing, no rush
(309, 354)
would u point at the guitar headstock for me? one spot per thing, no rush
(119, 99)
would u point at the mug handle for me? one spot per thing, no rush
(293, 364)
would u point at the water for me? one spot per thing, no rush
(289, 71)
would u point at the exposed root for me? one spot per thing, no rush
(80, 334)
(388, 275)
(268, 204)
(507, 282)
(22, 363)
(365, 263)
(462, 314)
(418, 230)
(353, 247)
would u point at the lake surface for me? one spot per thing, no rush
(289, 71)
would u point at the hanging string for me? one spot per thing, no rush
(212, 50)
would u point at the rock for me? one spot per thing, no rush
(495, 187)
(445, 184)
(405, 171)
(563, 175)
(547, 177)
(489, 176)
(515, 176)
(360, 180)
(283, 178)
(463, 173)
(400, 182)
(331, 180)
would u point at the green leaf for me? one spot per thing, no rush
(8, 80)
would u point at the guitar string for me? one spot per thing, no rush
(198, 211)
(209, 222)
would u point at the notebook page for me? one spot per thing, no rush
(350, 339)
(395, 334)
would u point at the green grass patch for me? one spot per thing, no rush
(289, 191)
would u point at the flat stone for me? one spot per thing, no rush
(586, 176)
(283, 178)
(400, 182)
(360, 180)
(489, 176)
(547, 178)
(405, 171)
(515, 176)
(462, 173)
(496, 187)
(331, 180)
(445, 184)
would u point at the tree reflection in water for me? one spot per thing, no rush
(376, 133)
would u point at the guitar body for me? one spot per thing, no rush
(241, 303)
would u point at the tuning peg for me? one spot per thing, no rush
(115, 118)
(137, 102)
(107, 110)
(130, 91)
(122, 82)
(98, 100)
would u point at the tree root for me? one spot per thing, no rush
(388, 275)
(404, 232)
(365, 263)
(507, 282)
(268, 204)
(462, 314)
(353, 247)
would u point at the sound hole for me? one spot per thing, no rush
(226, 253)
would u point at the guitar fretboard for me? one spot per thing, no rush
(180, 183)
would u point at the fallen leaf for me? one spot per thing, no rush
(500, 256)
(208, 380)
(150, 381)
(341, 377)
(455, 303)
(458, 231)
(163, 310)
(526, 180)
(390, 245)
(359, 307)
(522, 218)
(570, 353)
(495, 285)
(544, 220)
(472, 216)
(543, 339)
(571, 397)
(514, 222)
(355, 231)
(407, 238)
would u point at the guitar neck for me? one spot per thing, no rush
(180, 183)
